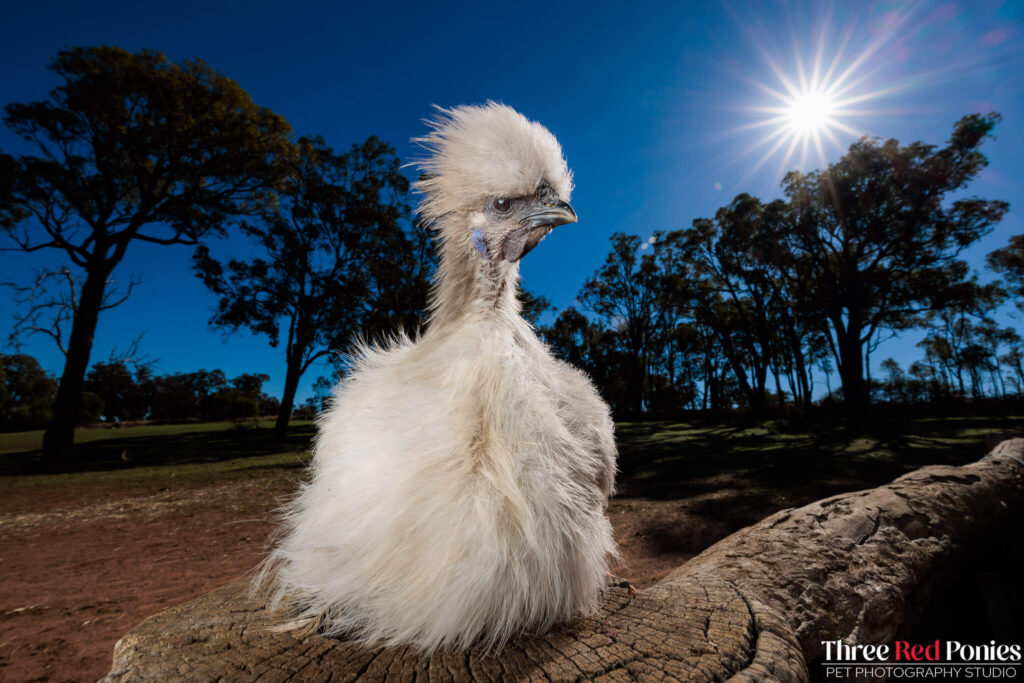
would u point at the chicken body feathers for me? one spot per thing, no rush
(458, 495)
(459, 481)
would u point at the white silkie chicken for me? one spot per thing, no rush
(459, 482)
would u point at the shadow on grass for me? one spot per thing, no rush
(729, 476)
(190, 446)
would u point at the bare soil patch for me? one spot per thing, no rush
(79, 574)
(81, 566)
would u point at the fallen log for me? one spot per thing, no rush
(858, 567)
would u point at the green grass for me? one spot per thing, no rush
(668, 460)
(796, 460)
(730, 475)
(147, 446)
(196, 472)
(32, 441)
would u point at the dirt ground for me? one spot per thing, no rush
(82, 565)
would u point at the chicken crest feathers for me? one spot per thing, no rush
(488, 150)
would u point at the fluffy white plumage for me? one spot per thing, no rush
(459, 482)
(483, 152)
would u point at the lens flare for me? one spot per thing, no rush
(810, 100)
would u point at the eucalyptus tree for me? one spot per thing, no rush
(962, 335)
(533, 305)
(1013, 359)
(879, 238)
(334, 263)
(641, 294)
(896, 380)
(130, 148)
(625, 294)
(738, 293)
(1009, 262)
(26, 393)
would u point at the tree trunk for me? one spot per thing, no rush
(780, 397)
(997, 376)
(761, 380)
(291, 385)
(802, 373)
(758, 404)
(757, 606)
(755, 398)
(707, 380)
(637, 385)
(59, 438)
(851, 372)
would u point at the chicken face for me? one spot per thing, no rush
(508, 228)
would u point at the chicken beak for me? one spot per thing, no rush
(553, 213)
(534, 227)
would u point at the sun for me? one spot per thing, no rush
(810, 112)
(809, 103)
(807, 115)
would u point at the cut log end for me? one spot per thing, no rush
(684, 629)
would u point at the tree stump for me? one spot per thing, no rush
(757, 605)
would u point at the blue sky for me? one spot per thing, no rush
(653, 104)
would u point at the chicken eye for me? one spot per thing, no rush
(502, 204)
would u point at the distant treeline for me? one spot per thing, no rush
(653, 354)
(756, 307)
(116, 392)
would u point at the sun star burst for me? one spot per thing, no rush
(812, 103)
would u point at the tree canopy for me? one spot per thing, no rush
(26, 393)
(335, 263)
(1009, 261)
(868, 247)
(876, 241)
(131, 148)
